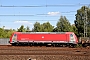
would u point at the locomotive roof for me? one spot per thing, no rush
(42, 32)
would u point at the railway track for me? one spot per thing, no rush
(83, 54)
(8, 52)
(27, 50)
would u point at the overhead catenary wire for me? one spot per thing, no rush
(27, 20)
(58, 5)
(15, 15)
(37, 14)
(18, 6)
(61, 5)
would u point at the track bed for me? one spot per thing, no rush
(43, 53)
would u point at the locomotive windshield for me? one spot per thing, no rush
(15, 35)
(71, 35)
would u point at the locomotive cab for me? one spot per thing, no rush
(73, 38)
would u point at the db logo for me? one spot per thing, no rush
(42, 36)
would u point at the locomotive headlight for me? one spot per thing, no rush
(72, 38)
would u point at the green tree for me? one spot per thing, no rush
(74, 29)
(47, 27)
(63, 25)
(9, 33)
(37, 27)
(21, 29)
(79, 22)
(1, 32)
(27, 29)
(55, 29)
(6, 33)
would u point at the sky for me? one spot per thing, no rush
(38, 11)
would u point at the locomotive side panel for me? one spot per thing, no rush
(43, 37)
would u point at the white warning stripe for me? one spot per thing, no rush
(42, 41)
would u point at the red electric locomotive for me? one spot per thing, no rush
(44, 38)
